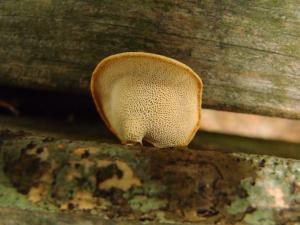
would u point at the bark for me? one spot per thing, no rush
(246, 52)
(95, 130)
(63, 181)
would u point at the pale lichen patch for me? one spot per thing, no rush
(103, 163)
(39, 192)
(60, 147)
(279, 201)
(191, 215)
(82, 200)
(86, 164)
(124, 183)
(36, 194)
(273, 189)
(41, 153)
(73, 174)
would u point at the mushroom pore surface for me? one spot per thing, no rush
(143, 96)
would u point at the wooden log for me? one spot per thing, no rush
(78, 129)
(57, 178)
(247, 52)
(25, 217)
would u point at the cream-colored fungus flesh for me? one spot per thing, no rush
(144, 96)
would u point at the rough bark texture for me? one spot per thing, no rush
(114, 184)
(10, 216)
(247, 52)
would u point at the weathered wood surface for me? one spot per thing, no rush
(140, 184)
(247, 52)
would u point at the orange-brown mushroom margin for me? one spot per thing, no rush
(108, 60)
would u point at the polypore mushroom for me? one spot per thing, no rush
(143, 96)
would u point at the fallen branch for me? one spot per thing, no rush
(143, 184)
(246, 53)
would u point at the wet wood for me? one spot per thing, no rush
(247, 52)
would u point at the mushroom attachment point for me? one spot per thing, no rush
(148, 97)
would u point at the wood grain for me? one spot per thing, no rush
(246, 52)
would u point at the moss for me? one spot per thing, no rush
(116, 152)
(145, 204)
(240, 205)
(9, 197)
(188, 180)
(153, 189)
(150, 189)
(275, 187)
(261, 217)
(69, 187)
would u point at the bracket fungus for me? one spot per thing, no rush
(148, 97)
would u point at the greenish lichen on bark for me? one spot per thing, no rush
(145, 184)
(275, 187)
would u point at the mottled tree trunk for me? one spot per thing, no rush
(117, 183)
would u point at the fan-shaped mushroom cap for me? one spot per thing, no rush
(144, 96)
